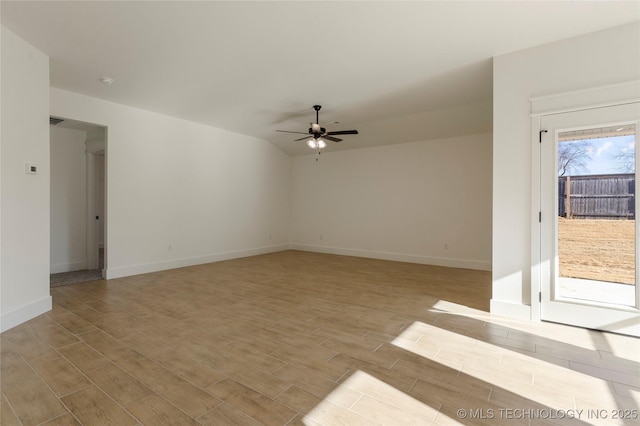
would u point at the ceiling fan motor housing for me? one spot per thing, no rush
(317, 134)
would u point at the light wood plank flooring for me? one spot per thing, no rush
(302, 338)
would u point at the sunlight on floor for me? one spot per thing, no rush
(363, 397)
(531, 371)
(511, 328)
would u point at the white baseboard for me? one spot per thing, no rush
(126, 271)
(511, 310)
(398, 257)
(25, 313)
(67, 267)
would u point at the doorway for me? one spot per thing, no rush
(589, 232)
(95, 207)
(78, 201)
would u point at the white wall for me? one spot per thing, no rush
(597, 59)
(24, 217)
(68, 200)
(398, 202)
(181, 193)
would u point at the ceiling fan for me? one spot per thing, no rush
(319, 134)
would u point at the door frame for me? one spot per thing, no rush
(92, 227)
(94, 149)
(556, 306)
(598, 97)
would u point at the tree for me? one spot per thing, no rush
(573, 156)
(625, 161)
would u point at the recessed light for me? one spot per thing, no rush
(107, 80)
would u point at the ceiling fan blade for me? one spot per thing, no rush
(331, 138)
(287, 131)
(301, 139)
(343, 132)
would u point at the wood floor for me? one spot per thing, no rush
(301, 338)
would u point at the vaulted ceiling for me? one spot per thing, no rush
(396, 71)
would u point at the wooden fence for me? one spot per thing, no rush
(597, 196)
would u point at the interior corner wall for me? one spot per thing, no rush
(598, 59)
(181, 193)
(424, 202)
(24, 208)
(68, 200)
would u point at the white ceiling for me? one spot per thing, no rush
(396, 71)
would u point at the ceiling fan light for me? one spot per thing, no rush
(311, 143)
(321, 143)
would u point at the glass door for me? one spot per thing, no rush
(588, 227)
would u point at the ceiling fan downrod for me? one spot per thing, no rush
(317, 108)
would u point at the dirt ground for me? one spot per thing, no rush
(597, 249)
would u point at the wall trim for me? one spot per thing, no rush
(511, 310)
(126, 271)
(24, 313)
(67, 267)
(595, 97)
(398, 257)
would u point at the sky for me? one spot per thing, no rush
(602, 153)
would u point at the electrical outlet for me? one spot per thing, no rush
(30, 168)
(446, 246)
(170, 247)
(320, 237)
